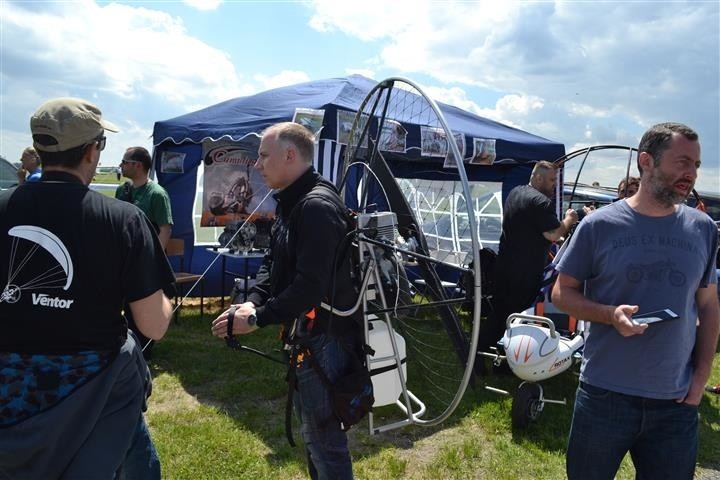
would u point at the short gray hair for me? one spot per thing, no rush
(298, 136)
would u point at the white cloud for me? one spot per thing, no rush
(203, 4)
(570, 71)
(117, 48)
(282, 79)
(363, 19)
(139, 65)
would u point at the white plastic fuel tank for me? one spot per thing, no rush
(387, 386)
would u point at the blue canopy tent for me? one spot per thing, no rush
(243, 119)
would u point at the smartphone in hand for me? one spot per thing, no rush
(656, 316)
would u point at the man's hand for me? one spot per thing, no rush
(623, 323)
(694, 395)
(240, 325)
(588, 209)
(571, 217)
(21, 174)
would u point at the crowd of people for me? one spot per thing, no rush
(74, 369)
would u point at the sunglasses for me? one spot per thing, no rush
(101, 141)
(123, 161)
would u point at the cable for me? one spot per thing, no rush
(202, 276)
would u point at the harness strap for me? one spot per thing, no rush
(386, 368)
(291, 379)
(229, 340)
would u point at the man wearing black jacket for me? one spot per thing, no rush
(305, 266)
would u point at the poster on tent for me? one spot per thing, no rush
(483, 151)
(232, 187)
(450, 161)
(310, 118)
(345, 121)
(433, 142)
(393, 137)
(172, 162)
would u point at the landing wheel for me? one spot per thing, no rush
(527, 405)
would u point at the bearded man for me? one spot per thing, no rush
(642, 272)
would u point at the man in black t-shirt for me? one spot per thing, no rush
(72, 381)
(530, 225)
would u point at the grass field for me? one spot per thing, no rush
(102, 177)
(217, 413)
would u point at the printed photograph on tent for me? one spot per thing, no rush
(232, 187)
(483, 151)
(433, 142)
(393, 137)
(172, 162)
(344, 126)
(450, 161)
(311, 119)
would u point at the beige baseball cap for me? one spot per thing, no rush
(65, 123)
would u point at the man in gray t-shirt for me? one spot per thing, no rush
(640, 383)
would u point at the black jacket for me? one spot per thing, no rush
(309, 257)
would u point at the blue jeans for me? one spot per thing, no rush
(325, 442)
(141, 461)
(661, 436)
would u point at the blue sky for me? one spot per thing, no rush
(582, 73)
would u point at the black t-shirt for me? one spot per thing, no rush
(523, 248)
(69, 258)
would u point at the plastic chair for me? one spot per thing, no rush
(176, 248)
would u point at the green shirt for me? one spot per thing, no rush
(152, 199)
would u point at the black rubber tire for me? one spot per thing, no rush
(526, 405)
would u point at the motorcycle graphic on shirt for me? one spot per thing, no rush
(655, 272)
(31, 247)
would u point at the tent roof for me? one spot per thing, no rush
(243, 116)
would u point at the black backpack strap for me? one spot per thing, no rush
(126, 192)
(343, 250)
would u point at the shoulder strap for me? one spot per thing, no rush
(126, 192)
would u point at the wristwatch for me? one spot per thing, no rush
(252, 320)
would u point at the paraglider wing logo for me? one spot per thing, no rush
(38, 260)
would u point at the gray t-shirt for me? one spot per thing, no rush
(653, 262)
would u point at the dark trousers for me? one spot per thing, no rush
(325, 442)
(661, 436)
(510, 296)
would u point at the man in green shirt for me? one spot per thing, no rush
(147, 195)
(142, 459)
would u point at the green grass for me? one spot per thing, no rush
(107, 177)
(217, 413)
